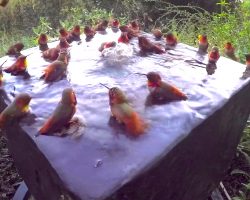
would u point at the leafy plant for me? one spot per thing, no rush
(44, 26)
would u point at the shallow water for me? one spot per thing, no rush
(105, 158)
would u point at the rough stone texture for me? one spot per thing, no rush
(41, 179)
(189, 171)
(194, 168)
(105, 159)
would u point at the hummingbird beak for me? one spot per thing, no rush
(141, 74)
(3, 63)
(105, 86)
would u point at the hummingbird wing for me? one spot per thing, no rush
(60, 117)
(125, 114)
(55, 71)
(171, 92)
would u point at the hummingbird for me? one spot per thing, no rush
(102, 25)
(63, 113)
(115, 24)
(15, 50)
(203, 44)
(230, 51)
(42, 42)
(19, 67)
(1, 73)
(157, 33)
(246, 73)
(123, 28)
(3, 3)
(63, 44)
(130, 32)
(106, 45)
(134, 25)
(171, 40)
(17, 109)
(89, 32)
(148, 47)
(124, 113)
(51, 54)
(161, 90)
(123, 38)
(63, 33)
(74, 35)
(214, 55)
(57, 69)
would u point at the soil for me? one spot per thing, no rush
(9, 177)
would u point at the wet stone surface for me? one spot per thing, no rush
(105, 157)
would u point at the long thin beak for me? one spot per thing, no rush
(141, 74)
(3, 63)
(105, 86)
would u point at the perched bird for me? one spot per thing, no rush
(123, 28)
(3, 3)
(63, 33)
(63, 44)
(203, 44)
(134, 25)
(214, 55)
(123, 38)
(106, 45)
(1, 73)
(161, 90)
(19, 67)
(148, 47)
(89, 32)
(157, 33)
(102, 26)
(124, 113)
(51, 54)
(171, 40)
(43, 42)
(74, 35)
(130, 32)
(115, 23)
(15, 50)
(63, 113)
(230, 51)
(246, 73)
(57, 69)
(17, 109)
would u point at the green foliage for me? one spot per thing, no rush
(44, 26)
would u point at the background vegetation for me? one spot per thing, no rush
(222, 20)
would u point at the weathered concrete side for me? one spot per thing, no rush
(194, 168)
(40, 177)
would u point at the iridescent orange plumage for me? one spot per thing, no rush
(148, 47)
(162, 90)
(229, 51)
(18, 67)
(203, 44)
(63, 113)
(171, 40)
(43, 42)
(123, 38)
(124, 113)
(214, 55)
